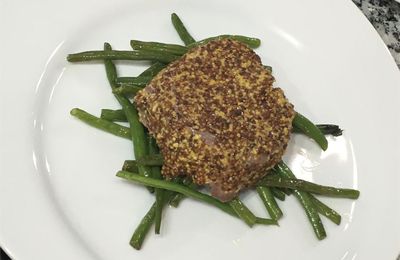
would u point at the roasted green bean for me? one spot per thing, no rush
(326, 129)
(121, 55)
(140, 81)
(266, 221)
(160, 194)
(325, 210)
(130, 166)
(243, 212)
(279, 194)
(101, 124)
(153, 160)
(178, 197)
(173, 49)
(269, 201)
(153, 70)
(308, 128)
(305, 200)
(114, 116)
(181, 29)
(143, 228)
(281, 182)
(249, 41)
(126, 89)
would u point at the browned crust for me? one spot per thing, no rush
(216, 117)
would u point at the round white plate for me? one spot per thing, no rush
(59, 196)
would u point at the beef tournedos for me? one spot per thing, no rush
(217, 118)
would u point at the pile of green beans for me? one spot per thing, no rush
(279, 183)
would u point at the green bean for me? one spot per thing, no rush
(169, 48)
(130, 166)
(312, 213)
(168, 185)
(114, 116)
(286, 191)
(266, 221)
(136, 128)
(276, 181)
(126, 89)
(151, 160)
(269, 202)
(160, 205)
(101, 124)
(326, 129)
(178, 197)
(131, 85)
(143, 228)
(243, 212)
(160, 194)
(251, 42)
(305, 200)
(122, 55)
(174, 202)
(269, 68)
(175, 195)
(309, 129)
(325, 210)
(153, 70)
(140, 81)
(111, 70)
(181, 29)
(279, 194)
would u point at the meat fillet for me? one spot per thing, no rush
(217, 118)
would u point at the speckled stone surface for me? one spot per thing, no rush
(384, 15)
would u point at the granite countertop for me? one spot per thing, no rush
(384, 15)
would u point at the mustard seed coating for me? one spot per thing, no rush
(217, 118)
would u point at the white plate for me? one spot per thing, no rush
(59, 196)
